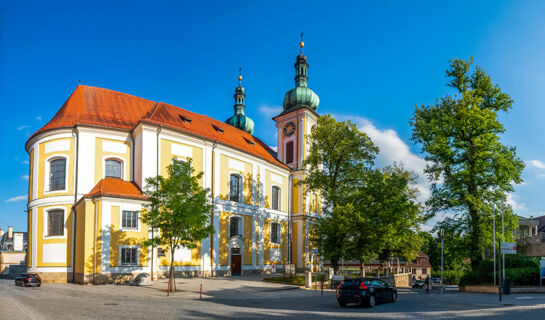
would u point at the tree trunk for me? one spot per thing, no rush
(171, 280)
(335, 265)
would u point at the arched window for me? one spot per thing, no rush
(275, 198)
(235, 188)
(57, 174)
(112, 168)
(235, 226)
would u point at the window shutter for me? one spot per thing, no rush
(289, 152)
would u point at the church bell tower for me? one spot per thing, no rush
(294, 125)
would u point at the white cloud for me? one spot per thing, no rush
(25, 177)
(536, 164)
(23, 127)
(275, 149)
(18, 198)
(393, 149)
(269, 111)
(39, 118)
(25, 162)
(517, 206)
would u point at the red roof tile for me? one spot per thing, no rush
(113, 187)
(106, 108)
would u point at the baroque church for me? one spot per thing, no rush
(89, 164)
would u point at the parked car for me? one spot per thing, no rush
(365, 291)
(436, 283)
(28, 280)
(418, 284)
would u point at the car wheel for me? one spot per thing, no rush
(394, 296)
(371, 303)
(341, 303)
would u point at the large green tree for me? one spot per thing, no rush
(339, 155)
(179, 208)
(469, 167)
(385, 216)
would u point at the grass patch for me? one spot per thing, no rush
(298, 280)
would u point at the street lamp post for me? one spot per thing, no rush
(494, 232)
(442, 280)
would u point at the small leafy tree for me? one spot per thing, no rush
(469, 167)
(179, 208)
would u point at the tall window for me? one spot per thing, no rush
(112, 169)
(275, 198)
(275, 232)
(57, 174)
(55, 223)
(129, 220)
(289, 152)
(235, 227)
(129, 256)
(235, 188)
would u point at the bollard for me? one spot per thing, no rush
(200, 297)
(168, 289)
(322, 287)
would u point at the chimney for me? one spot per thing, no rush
(1, 232)
(10, 232)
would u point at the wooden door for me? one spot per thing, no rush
(235, 264)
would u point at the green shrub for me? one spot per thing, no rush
(449, 276)
(526, 276)
(469, 278)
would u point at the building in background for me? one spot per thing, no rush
(89, 165)
(13, 247)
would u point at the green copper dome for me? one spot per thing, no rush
(301, 95)
(239, 119)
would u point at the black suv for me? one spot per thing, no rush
(365, 291)
(28, 279)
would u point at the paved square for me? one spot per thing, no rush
(246, 298)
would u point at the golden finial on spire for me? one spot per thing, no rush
(301, 44)
(239, 76)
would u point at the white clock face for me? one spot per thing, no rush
(289, 129)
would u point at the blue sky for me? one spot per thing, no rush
(370, 61)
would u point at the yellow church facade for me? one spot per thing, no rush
(89, 164)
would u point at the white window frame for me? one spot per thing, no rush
(241, 186)
(47, 170)
(240, 225)
(279, 233)
(137, 220)
(45, 219)
(279, 197)
(116, 158)
(137, 255)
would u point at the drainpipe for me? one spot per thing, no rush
(214, 208)
(76, 155)
(290, 186)
(95, 242)
(153, 229)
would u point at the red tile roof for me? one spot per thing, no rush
(113, 187)
(111, 109)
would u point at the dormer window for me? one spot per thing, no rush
(218, 129)
(185, 119)
(250, 142)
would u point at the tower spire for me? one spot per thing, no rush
(239, 119)
(301, 44)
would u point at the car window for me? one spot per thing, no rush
(384, 284)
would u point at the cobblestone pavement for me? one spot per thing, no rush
(247, 298)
